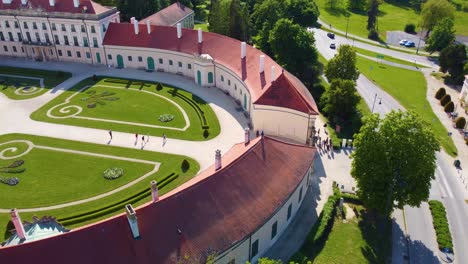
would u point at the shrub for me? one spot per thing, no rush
(449, 107)
(410, 28)
(465, 8)
(441, 226)
(440, 93)
(159, 87)
(166, 118)
(60, 74)
(94, 77)
(445, 99)
(206, 133)
(325, 220)
(113, 173)
(460, 122)
(185, 165)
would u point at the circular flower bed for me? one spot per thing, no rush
(113, 173)
(166, 118)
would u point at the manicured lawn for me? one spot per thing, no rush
(169, 164)
(410, 90)
(8, 85)
(361, 239)
(386, 58)
(394, 16)
(140, 104)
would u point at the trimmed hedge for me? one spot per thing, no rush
(445, 99)
(441, 226)
(324, 223)
(460, 122)
(410, 28)
(440, 93)
(449, 107)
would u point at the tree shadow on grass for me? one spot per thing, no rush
(9, 227)
(337, 12)
(377, 232)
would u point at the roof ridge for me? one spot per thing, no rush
(311, 109)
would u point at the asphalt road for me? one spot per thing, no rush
(446, 187)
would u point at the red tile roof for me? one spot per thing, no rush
(65, 6)
(283, 93)
(224, 50)
(217, 210)
(168, 16)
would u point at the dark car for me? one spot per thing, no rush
(332, 46)
(331, 35)
(410, 44)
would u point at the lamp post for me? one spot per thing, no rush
(347, 24)
(375, 99)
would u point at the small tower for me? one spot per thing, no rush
(132, 221)
(154, 191)
(247, 136)
(218, 159)
(15, 218)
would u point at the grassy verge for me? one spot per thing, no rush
(204, 124)
(409, 89)
(169, 164)
(51, 79)
(203, 26)
(387, 58)
(441, 226)
(357, 240)
(394, 15)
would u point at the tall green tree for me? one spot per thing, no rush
(442, 35)
(302, 12)
(238, 21)
(434, 11)
(394, 161)
(294, 49)
(357, 5)
(219, 17)
(340, 100)
(343, 65)
(372, 13)
(452, 60)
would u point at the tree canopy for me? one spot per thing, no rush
(343, 65)
(340, 100)
(434, 11)
(442, 35)
(293, 47)
(230, 18)
(452, 60)
(394, 161)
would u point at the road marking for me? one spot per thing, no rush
(444, 184)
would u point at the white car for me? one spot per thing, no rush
(403, 42)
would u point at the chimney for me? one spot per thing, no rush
(52, 2)
(132, 19)
(148, 26)
(262, 63)
(132, 221)
(243, 50)
(15, 218)
(135, 25)
(247, 136)
(154, 191)
(218, 159)
(272, 73)
(179, 30)
(24, 2)
(200, 35)
(76, 3)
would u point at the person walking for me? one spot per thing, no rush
(331, 144)
(110, 134)
(136, 136)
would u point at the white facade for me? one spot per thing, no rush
(55, 36)
(257, 244)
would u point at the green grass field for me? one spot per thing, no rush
(135, 102)
(35, 184)
(410, 90)
(8, 85)
(386, 58)
(394, 16)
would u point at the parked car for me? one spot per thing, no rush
(403, 42)
(331, 35)
(333, 45)
(410, 44)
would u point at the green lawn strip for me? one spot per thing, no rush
(197, 110)
(203, 26)
(358, 240)
(392, 17)
(441, 225)
(170, 164)
(51, 79)
(409, 89)
(387, 58)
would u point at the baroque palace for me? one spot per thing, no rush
(234, 210)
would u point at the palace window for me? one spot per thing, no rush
(34, 25)
(14, 49)
(78, 54)
(130, 58)
(60, 53)
(73, 28)
(93, 29)
(54, 28)
(7, 24)
(274, 229)
(20, 37)
(5, 48)
(83, 29)
(88, 55)
(161, 61)
(140, 59)
(170, 62)
(300, 195)
(254, 248)
(64, 28)
(44, 27)
(180, 64)
(289, 212)
(25, 25)
(69, 54)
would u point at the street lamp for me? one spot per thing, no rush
(375, 99)
(347, 24)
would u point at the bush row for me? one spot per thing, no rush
(194, 105)
(441, 226)
(324, 222)
(445, 100)
(116, 206)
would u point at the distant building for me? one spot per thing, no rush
(172, 15)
